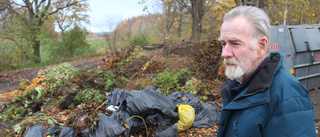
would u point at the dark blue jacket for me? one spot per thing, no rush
(275, 104)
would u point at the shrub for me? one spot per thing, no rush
(24, 104)
(33, 95)
(184, 75)
(193, 86)
(107, 79)
(89, 94)
(166, 81)
(73, 44)
(24, 84)
(13, 113)
(170, 81)
(140, 40)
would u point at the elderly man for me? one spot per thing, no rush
(260, 98)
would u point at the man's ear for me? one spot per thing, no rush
(262, 47)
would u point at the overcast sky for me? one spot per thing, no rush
(105, 12)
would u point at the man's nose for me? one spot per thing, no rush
(226, 52)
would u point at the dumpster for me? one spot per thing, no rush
(300, 46)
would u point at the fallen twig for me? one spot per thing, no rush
(125, 123)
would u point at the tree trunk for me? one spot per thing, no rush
(36, 52)
(196, 29)
(255, 3)
(171, 13)
(166, 47)
(197, 12)
(35, 43)
(167, 28)
(167, 21)
(115, 41)
(180, 21)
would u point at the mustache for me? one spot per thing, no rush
(231, 61)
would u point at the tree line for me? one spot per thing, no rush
(200, 20)
(29, 24)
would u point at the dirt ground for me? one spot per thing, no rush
(9, 81)
(315, 97)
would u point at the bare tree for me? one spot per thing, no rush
(248, 2)
(170, 8)
(180, 18)
(111, 33)
(197, 9)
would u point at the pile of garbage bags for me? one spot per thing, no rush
(139, 107)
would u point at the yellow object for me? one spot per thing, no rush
(293, 72)
(186, 117)
(10, 95)
(36, 82)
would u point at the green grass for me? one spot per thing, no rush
(42, 64)
(99, 46)
(30, 65)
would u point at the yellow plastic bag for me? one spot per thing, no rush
(186, 117)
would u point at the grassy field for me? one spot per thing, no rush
(11, 60)
(99, 44)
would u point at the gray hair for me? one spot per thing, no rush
(258, 18)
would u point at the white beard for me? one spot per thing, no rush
(233, 72)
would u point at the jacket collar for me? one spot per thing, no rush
(263, 78)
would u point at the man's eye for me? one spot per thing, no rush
(223, 44)
(236, 44)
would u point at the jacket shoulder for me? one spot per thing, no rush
(287, 85)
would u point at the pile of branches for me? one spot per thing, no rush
(209, 61)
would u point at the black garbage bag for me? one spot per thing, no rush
(35, 131)
(85, 133)
(186, 98)
(156, 109)
(117, 96)
(53, 130)
(159, 120)
(169, 132)
(148, 101)
(206, 114)
(67, 132)
(206, 117)
(107, 126)
(134, 124)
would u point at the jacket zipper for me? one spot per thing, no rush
(235, 122)
(234, 127)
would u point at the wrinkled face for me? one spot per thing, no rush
(239, 56)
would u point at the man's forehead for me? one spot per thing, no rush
(236, 29)
(230, 39)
